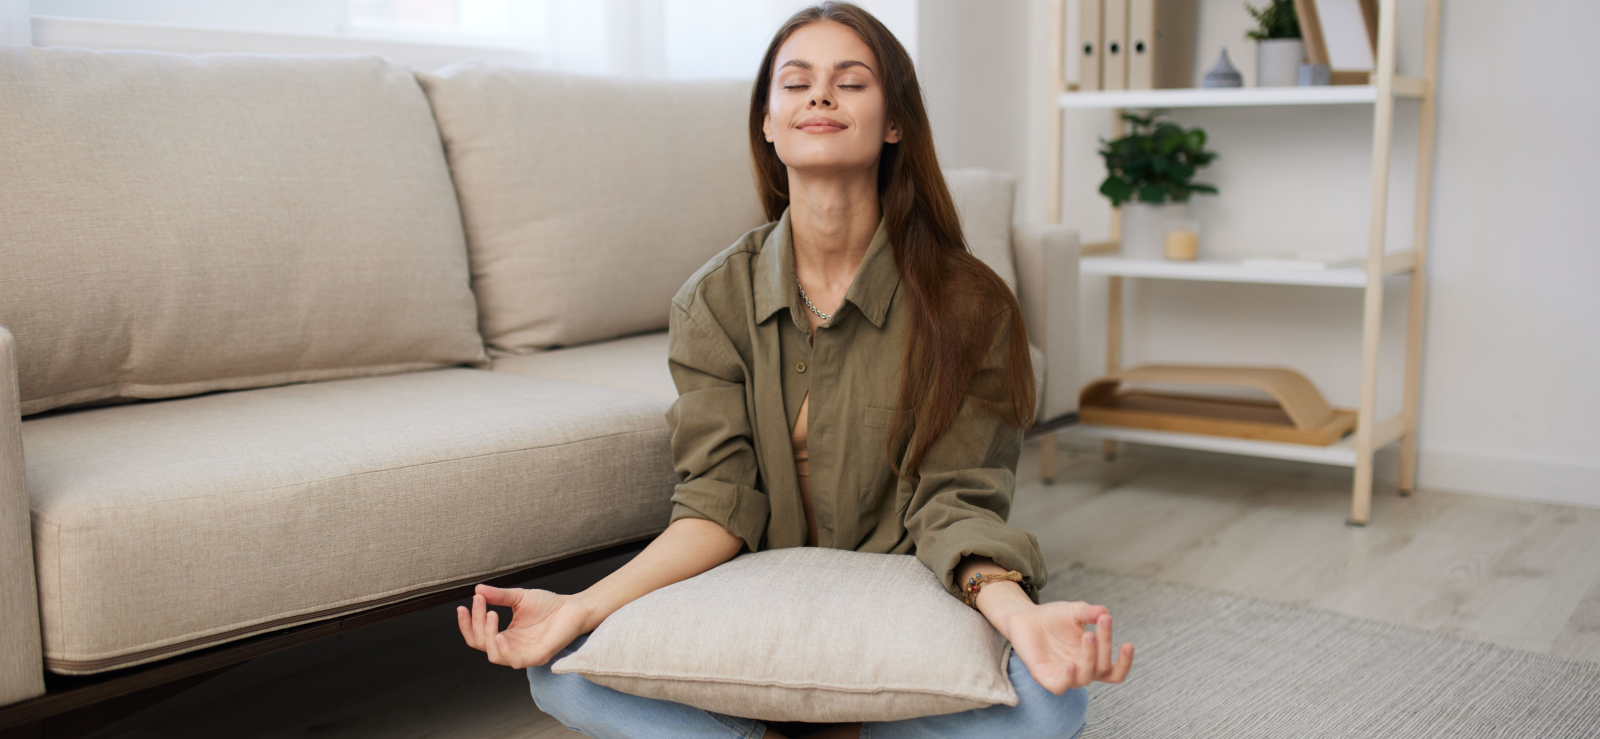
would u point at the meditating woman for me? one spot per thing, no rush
(849, 376)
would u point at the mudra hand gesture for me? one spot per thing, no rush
(1059, 652)
(1052, 638)
(542, 623)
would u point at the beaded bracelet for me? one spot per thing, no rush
(969, 591)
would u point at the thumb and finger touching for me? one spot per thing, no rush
(1063, 653)
(500, 596)
(536, 624)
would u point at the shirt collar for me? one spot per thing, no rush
(870, 290)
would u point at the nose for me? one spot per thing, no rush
(819, 100)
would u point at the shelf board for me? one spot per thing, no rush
(1228, 271)
(1341, 453)
(1211, 97)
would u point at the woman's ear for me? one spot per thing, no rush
(766, 126)
(893, 136)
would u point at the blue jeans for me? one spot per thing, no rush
(603, 713)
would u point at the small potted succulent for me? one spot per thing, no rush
(1150, 176)
(1279, 48)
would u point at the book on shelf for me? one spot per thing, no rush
(1114, 43)
(1303, 260)
(1089, 37)
(1160, 44)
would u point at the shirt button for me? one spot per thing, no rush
(800, 367)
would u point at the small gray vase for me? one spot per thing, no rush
(1223, 74)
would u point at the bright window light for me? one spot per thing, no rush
(647, 38)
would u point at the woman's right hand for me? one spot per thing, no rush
(542, 623)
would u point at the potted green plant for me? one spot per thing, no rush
(1150, 176)
(1279, 48)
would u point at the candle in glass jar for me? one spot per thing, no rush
(1183, 239)
(1182, 244)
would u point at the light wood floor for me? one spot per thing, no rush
(1521, 574)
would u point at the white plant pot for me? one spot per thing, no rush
(1144, 228)
(1278, 62)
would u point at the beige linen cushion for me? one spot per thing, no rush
(172, 225)
(589, 200)
(985, 199)
(803, 634)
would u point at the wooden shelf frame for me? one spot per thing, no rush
(1358, 449)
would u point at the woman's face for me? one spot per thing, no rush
(826, 110)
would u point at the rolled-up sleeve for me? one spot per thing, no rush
(712, 449)
(960, 503)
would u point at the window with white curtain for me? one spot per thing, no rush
(654, 38)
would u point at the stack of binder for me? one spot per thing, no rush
(1136, 44)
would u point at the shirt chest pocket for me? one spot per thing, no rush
(877, 480)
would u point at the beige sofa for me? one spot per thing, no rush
(290, 338)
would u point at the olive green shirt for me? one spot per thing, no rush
(742, 359)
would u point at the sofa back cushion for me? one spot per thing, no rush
(589, 200)
(985, 199)
(174, 225)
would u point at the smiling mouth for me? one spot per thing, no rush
(820, 125)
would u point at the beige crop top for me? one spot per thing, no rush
(802, 469)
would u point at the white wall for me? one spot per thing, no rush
(973, 81)
(276, 16)
(1511, 394)
(987, 101)
(14, 25)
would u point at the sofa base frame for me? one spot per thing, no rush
(1051, 426)
(67, 693)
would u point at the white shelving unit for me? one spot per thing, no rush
(1372, 433)
(1221, 271)
(1217, 97)
(1342, 453)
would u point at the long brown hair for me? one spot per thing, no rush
(954, 299)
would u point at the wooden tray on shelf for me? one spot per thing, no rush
(1297, 414)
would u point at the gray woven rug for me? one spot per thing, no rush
(1210, 664)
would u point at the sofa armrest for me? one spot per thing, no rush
(1046, 257)
(21, 658)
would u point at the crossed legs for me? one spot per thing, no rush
(603, 713)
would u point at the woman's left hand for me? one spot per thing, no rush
(1059, 651)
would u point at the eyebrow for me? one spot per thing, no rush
(845, 64)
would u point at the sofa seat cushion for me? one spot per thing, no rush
(168, 526)
(637, 363)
